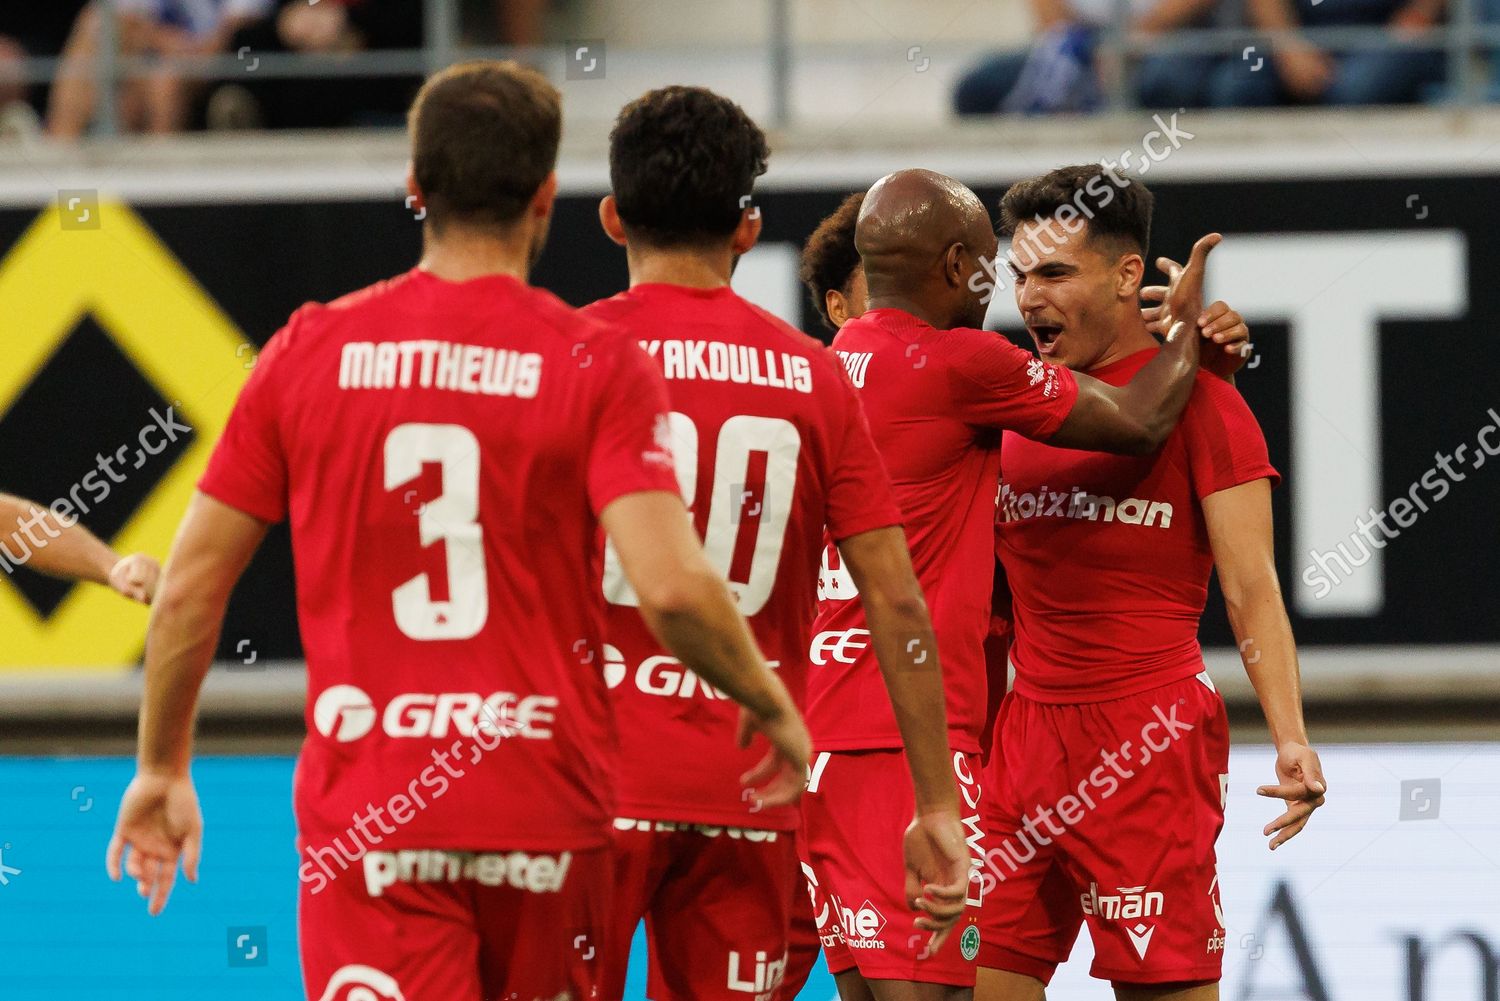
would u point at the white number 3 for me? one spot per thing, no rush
(452, 518)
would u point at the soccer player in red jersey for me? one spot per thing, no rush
(937, 391)
(831, 269)
(1105, 789)
(771, 446)
(835, 281)
(446, 446)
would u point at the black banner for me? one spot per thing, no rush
(1434, 373)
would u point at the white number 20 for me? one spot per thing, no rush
(738, 437)
(452, 518)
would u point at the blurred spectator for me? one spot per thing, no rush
(158, 101)
(36, 30)
(330, 29)
(516, 21)
(1303, 73)
(1059, 71)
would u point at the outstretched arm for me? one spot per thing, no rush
(1239, 531)
(64, 548)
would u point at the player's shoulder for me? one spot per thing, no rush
(1216, 408)
(984, 355)
(1214, 393)
(612, 309)
(314, 320)
(572, 325)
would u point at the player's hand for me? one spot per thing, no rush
(1219, 323)
(782, 774)
(937, 873)
(135, 577)
(159, 823)
(1301, 787)
(1184, 297)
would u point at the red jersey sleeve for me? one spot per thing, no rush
(999, 385)
(1225, 445)
(632, 447)
(247, 470)
(859, 494)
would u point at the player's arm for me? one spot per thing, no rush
(159, 822)
(1136, 418)
(689, 610)
(901, 633)
(1239, 531)
(902, 636)
(65, 548)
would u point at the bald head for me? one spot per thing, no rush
(920, 235)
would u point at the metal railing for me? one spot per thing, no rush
(1466, 42)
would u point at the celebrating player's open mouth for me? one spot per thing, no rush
(1045, 334)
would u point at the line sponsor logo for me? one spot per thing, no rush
(760, 977)
(859, 928)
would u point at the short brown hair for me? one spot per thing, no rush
(1117, 209)
(829, 259)
(484, 137)
(682, 163)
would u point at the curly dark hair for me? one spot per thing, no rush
(682, 165)
(484, 137)
(1117, 209)
(829, 257)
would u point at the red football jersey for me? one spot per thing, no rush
(771, 446)
(442, 452)
(1108, 555)
(936, 402)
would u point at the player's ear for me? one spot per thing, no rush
(1129, 273)
(609, 218)
(954, 266)
(747, 232)
(414, 193)
(545, 197)
(838, 309)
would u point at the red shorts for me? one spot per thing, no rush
(455, 926)
(1107, 812)
(804, 939)
(717, 902)
(855, 812)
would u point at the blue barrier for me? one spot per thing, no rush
(66, 932)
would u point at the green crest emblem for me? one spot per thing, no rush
(968, 942)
